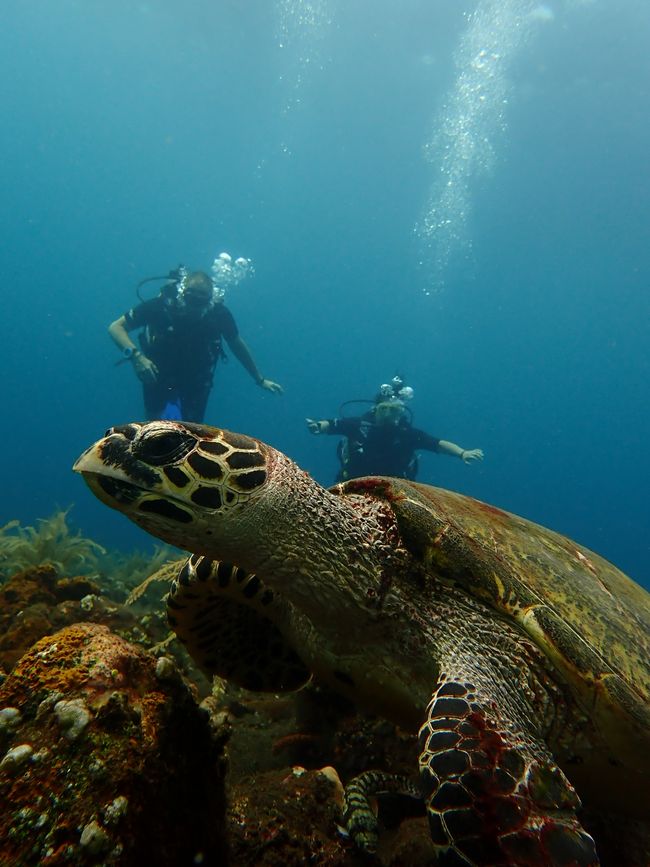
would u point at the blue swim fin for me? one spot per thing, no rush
(172, 410)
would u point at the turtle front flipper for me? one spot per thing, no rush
(494, 794)
(224, 617)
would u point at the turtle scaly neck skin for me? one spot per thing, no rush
(317, 548)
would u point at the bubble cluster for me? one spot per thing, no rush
(471, 122)
(302, 26)
(227, 273)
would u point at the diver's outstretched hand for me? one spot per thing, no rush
(317, 427)
(271, 386)
(470, 455)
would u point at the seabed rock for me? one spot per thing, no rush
(105, 762)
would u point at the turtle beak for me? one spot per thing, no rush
(108, 483)
(109, 470)
(112, 457)
(89, 461)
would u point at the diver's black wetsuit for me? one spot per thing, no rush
(185, 348)
(379, 450)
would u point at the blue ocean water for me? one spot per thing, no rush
(456, 191)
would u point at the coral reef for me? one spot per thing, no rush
(106, 759)
(37, 602)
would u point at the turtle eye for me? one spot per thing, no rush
(164, 447)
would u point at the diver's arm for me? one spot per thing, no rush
(144, 367)
(120, 335)
(346, 427)
(243, 355)
(467, 456)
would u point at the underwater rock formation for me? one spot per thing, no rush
(105, 758)
(38, 602)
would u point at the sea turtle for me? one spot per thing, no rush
(521, 656)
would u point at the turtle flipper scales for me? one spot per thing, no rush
(223, 616)
(493, 796)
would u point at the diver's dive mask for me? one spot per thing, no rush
(388, 412)
(194, 302)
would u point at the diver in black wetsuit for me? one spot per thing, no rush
(180, 346)
(383, 441)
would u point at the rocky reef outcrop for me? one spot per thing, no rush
(106, 758)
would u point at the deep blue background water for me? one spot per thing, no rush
(137, 136)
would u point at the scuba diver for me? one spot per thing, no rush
(181, 343)
(383, 441)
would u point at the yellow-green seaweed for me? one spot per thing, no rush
(53, 542)
(50, 542)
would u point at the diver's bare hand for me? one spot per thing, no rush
(145, 369)
(271, 386)
(317, 427)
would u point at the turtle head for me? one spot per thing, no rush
(178, 481)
